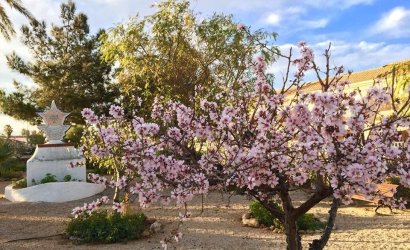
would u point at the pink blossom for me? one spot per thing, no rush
(116, 112)
(89, 116)
(240, 27)
(265, 140)
(118, 207)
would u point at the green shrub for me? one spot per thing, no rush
(14, 164)
(7, 174)
(20, 183)
(6, 149)
(95, 168)
(401, 191)
(67, 178)
(106, 227)
(263, 215)
(309, 222)
(12, 168)
(305, 222)
(48, 178)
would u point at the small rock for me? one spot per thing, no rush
(246, 216)
(74, 238)
(146, 233)
(156, 227)
(252, 222)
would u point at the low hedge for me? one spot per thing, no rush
(106, 227)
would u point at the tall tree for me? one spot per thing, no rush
(19, 104)
(25, 132)
(8, 130)
(6, 26)
(66, 67)
(174, 54)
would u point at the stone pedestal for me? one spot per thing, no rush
(54, 159)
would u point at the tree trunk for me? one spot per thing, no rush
(293, 239)
(116, 189)
(321, 243)
(292, 236)
(126, 203)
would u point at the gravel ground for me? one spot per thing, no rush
(32, 226)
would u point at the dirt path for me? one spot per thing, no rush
(218, 227)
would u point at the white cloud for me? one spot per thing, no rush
(337, 4)
(295, 10)
(315, 24)
(273, 19)
(395, 23)
(251, 5)
(294, 17)
(354, 56)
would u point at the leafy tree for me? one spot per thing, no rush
(19, 104)
(175, 55)
(25, 132)
(8, 130)
(66, 67)
(74, 134)
(6, 27)
(36, 138)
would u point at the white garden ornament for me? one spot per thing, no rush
(54, 157)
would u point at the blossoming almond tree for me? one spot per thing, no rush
(268, 141)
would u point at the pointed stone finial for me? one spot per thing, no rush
(53, 116)
(53, 126)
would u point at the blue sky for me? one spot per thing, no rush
(363, 33)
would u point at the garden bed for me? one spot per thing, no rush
(219, 227)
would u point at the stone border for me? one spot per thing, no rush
(53, 192)
(54, 145)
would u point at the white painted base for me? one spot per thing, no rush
(53, 192)
(56, 161)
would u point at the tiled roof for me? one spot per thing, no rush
(356, 77)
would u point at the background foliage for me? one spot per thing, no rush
(66, 67)
(174, 54)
